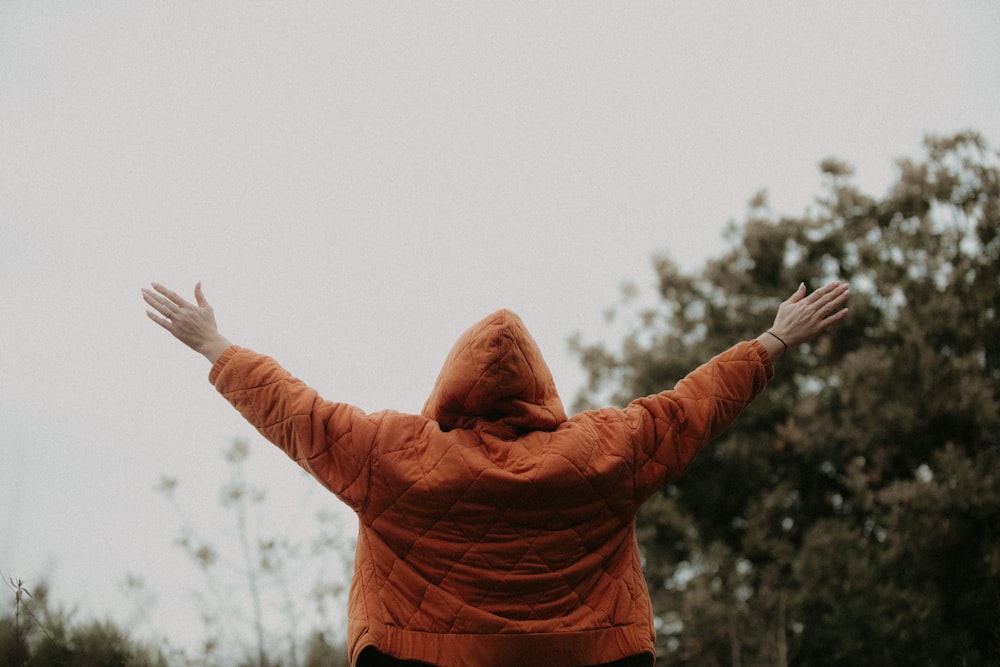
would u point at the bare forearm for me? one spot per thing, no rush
(213, 349)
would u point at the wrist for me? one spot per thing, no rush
(780, 339)
(214, 348)
(771, 345)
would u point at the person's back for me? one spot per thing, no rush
(493, 530)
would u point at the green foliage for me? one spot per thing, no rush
(36, 635)
(257, 618)
(850, 516)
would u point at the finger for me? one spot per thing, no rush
(835, 297)
(834, 300)
(164, 306)
(798, 295)
(841, 295)
(172, 295)
(159, 320)
(835, 317)
(199, 296)
(829, 296)
(822, 292)
(839, 315)
(161, 304)
(839, 301)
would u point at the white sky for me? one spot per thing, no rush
(356, 183)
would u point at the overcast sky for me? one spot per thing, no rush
(356, 183)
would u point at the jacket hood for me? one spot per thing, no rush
(496, 373)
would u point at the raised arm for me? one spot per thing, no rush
(675, 424)
(801, 318)
(191, 323)
(332, 441)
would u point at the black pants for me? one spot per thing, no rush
(372, 658)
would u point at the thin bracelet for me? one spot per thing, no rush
(783, 344)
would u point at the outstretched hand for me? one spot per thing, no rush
(191, 323)
(801, 318)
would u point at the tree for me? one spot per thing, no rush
(273, 601)
(40, 634)
(851, 515)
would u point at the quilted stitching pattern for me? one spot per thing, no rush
(507, 543)
(675, 425)
(492, 514)
(496, 372)
(329, 440)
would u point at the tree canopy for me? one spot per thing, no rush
(852, 514)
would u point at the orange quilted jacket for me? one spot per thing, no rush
(494, 530)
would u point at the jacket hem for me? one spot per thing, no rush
(552, 649)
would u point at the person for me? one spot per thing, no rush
(493, 529)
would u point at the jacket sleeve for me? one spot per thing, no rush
(331, 441)
(672, 426)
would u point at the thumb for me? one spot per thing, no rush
(199, 296)
(799, 294)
